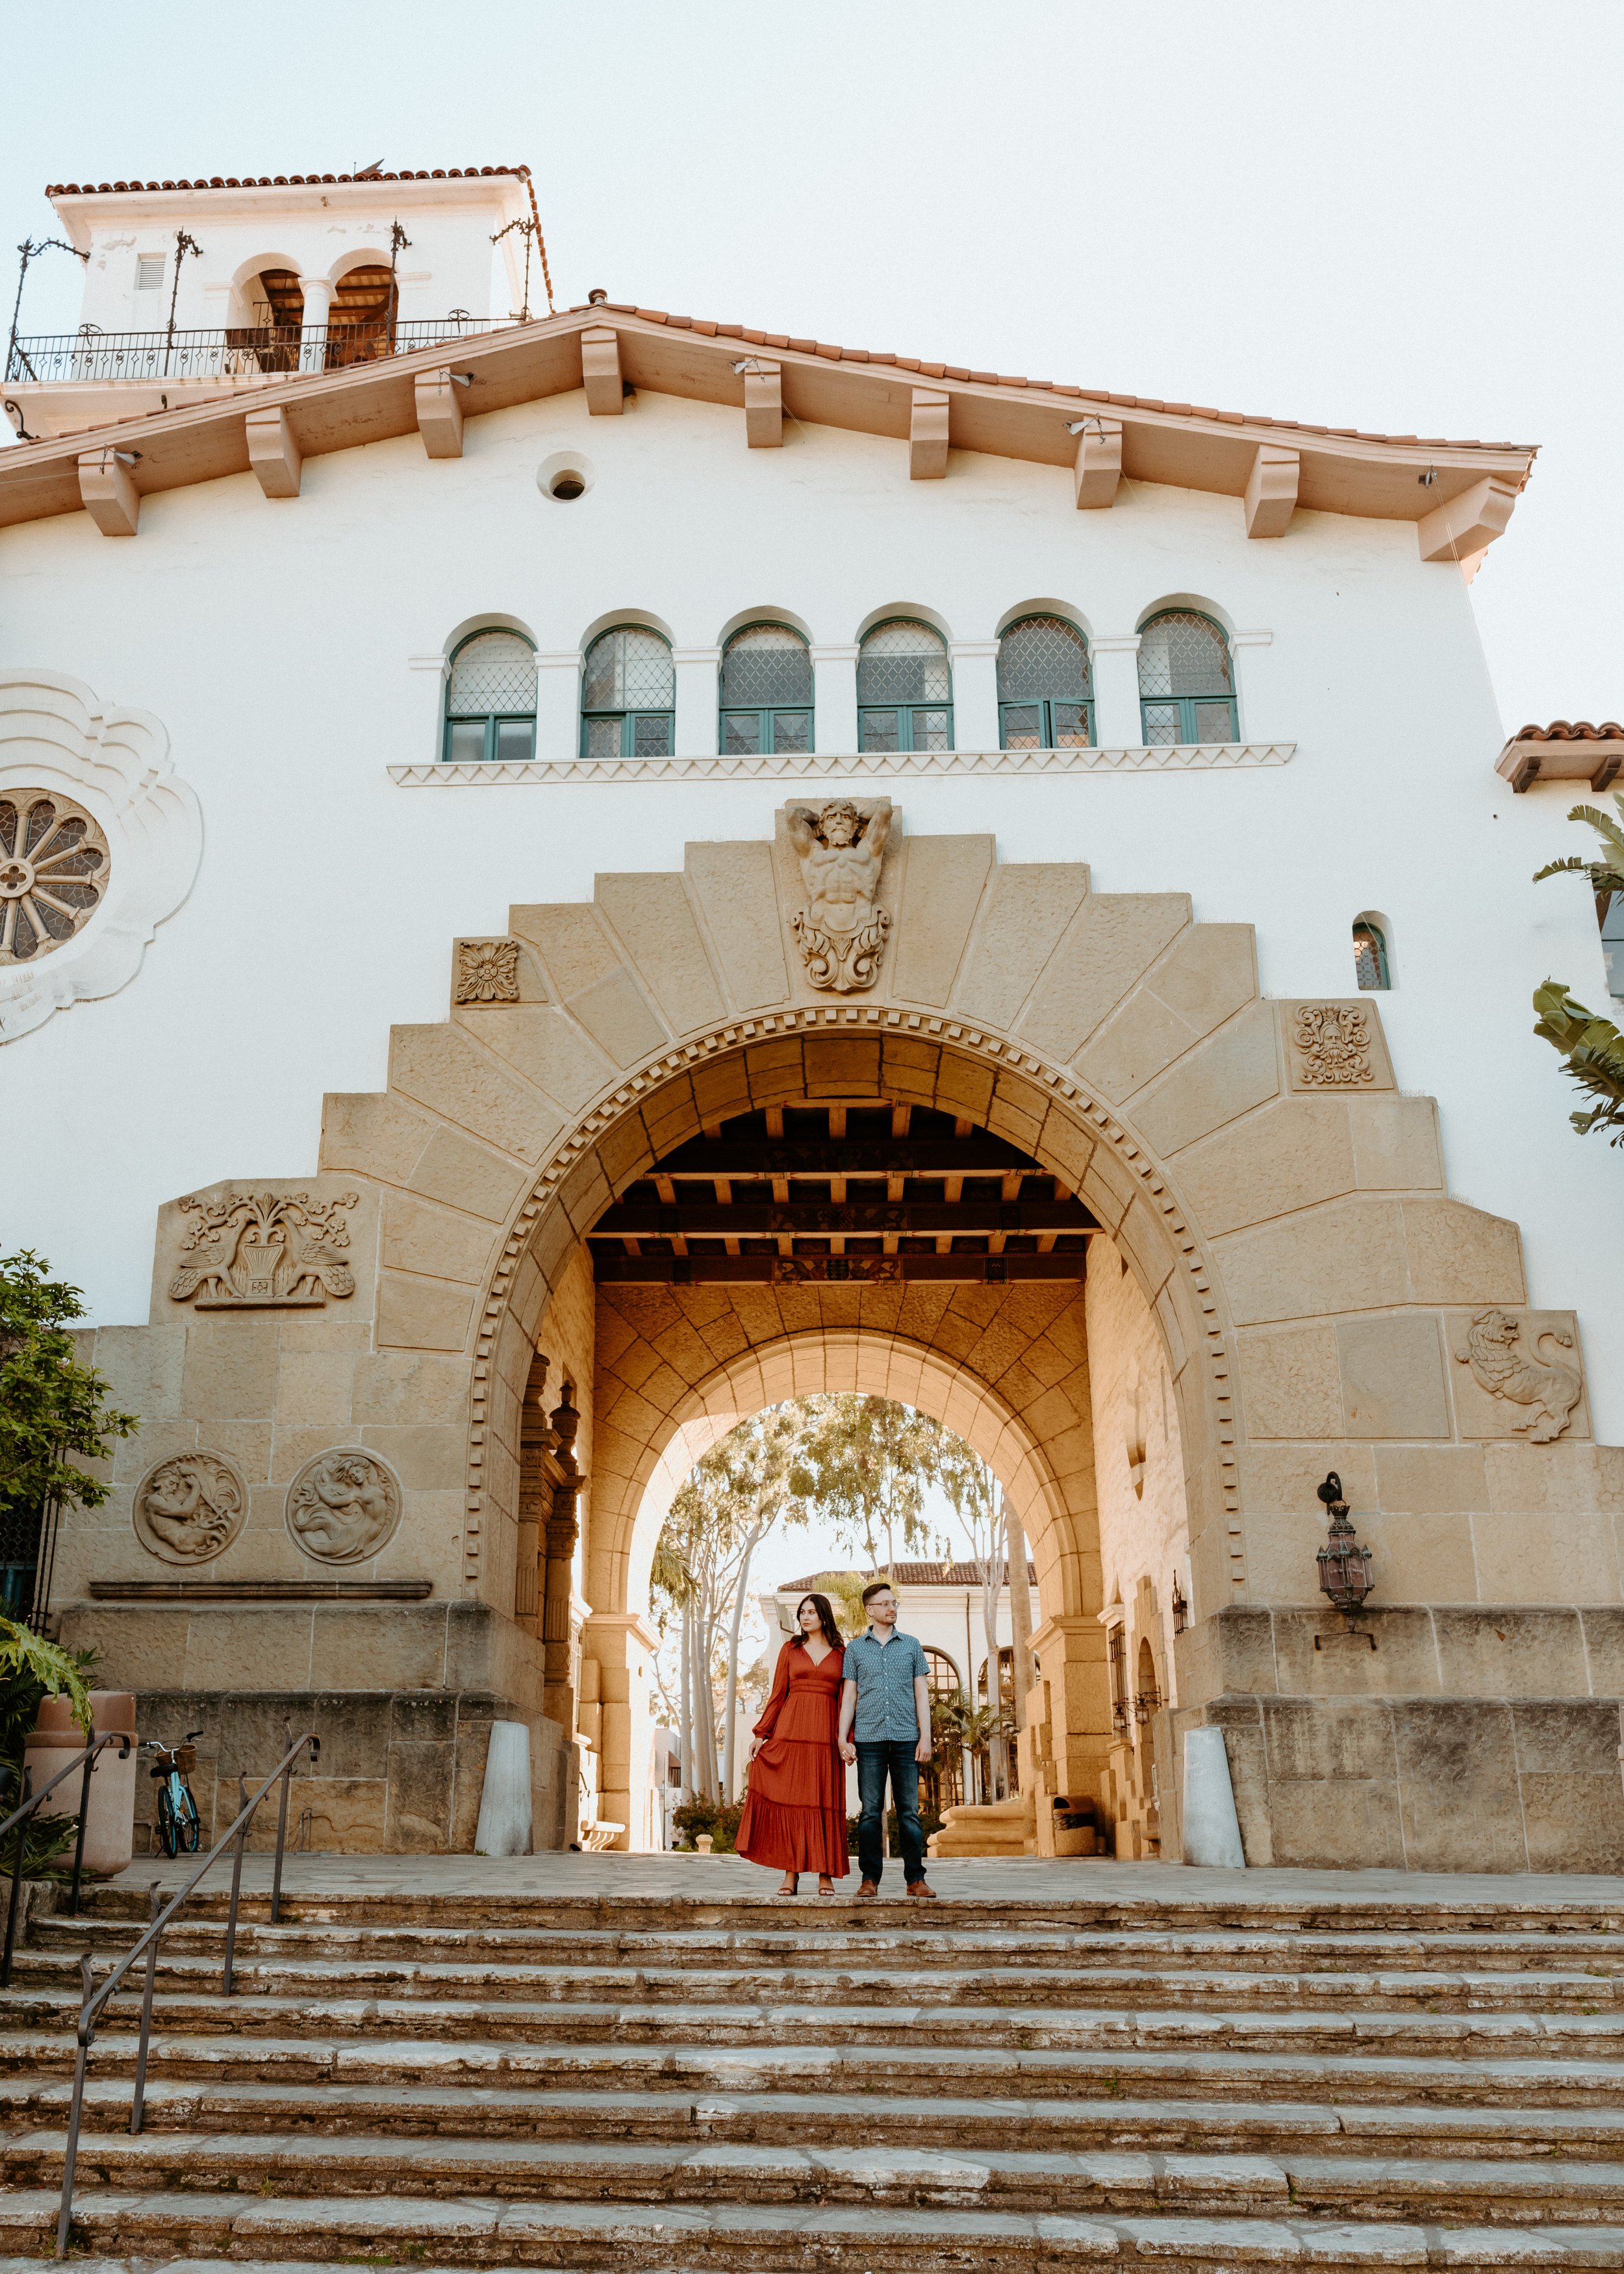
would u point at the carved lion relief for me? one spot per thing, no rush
(1547, 1385)
(1332, 1041)
(343, 1506)
(54, 867)
(189, 1508)
(841, 932)
(255, 1251)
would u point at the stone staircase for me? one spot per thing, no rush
(642, 2083)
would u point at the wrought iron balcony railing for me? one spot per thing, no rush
(247, 350)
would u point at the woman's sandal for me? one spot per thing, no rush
(825, 1885)
(792, 1884)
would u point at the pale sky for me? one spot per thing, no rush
(1396, 217)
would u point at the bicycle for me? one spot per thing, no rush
(179, 1824)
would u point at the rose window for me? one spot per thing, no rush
(53, 871)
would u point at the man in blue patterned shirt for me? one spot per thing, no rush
(885, 1707)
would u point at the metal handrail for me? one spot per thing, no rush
(237, 350)
(96, 1996)
(86, 1759)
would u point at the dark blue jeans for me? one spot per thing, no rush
(875, 1763)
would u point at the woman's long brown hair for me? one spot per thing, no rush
(825, 1619)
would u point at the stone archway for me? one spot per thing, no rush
(1277, 1206)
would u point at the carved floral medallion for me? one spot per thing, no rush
(189, 1508)
(487, 971)
(54, 868)
(1333, 1045)
(343, 1506)
(841, 932)
(260, 1251)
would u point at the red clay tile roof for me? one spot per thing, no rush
(1047, 386)
(277, 181)
(1580, 730)
(905, 1575)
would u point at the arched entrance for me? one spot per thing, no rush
(1278, 1284)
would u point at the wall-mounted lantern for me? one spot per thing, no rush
(1147, 1703)
(1347, 1571)
(1180, 1608)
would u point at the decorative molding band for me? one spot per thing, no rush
(1172, 758)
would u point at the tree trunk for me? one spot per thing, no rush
(1020, 1610)
(992, 1583)
(707, 1695)
(685, 1724)
(730, 1731)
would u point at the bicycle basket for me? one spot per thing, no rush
(186, 1759)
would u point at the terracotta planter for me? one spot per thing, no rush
(109, 1827)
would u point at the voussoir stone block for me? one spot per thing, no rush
(1392, 1376)
(1024, 917)
(1111, 943)
(1291, 1385)
(942, 888)
(654, 917)
(1346, 1255)
(1228, 1075)
(1461, 1254)
(1298, 1152)
(443, 1068)
(733, 884)
(416, 1313)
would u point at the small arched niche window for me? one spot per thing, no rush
(1186, 686)
(766, 691)
(1370, 956)
(1045, 694)
(628, 696)
(491, 699)
(905, 688)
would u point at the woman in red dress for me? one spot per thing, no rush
(794, 1813)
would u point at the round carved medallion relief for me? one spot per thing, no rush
(53, 871)
(343, 1506)
(189, 1508)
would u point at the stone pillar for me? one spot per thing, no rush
(427, 745)
(1117, 692)
(622, 1649)
(834, 682)
(696, 726)
(976, 695)
(1068, 1735)
(317, 292)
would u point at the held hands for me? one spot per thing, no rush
(848, 1751)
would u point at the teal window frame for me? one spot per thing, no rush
(767, 719)
(1047, 705)
(629, 720)
(1188, 703)
(1610, 922)
(492, 721)
(903, 712)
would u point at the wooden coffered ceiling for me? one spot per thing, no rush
(859, 1192)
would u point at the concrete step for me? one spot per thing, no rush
(1598, 1957)
(221, 2231)
(825, 2118)
(889, 2015)
(1068, 2182)
(955, 1981)
(806, 2063)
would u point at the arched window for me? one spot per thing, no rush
(1370, 956)
(766, 691)
(628, 696)
(491, 699)
(940, 1673)
(1045, 694)
(1186, 688)
(905, 688)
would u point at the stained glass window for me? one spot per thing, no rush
(1186, 690)
(628, 696)
(491, 700)
(766, 691)
(905, 688)
(1044, 690)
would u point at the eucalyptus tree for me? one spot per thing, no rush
(1591, 1047)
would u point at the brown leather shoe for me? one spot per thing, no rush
(866, 1888)
(923, 1888)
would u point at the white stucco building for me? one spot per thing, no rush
(480, 670)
